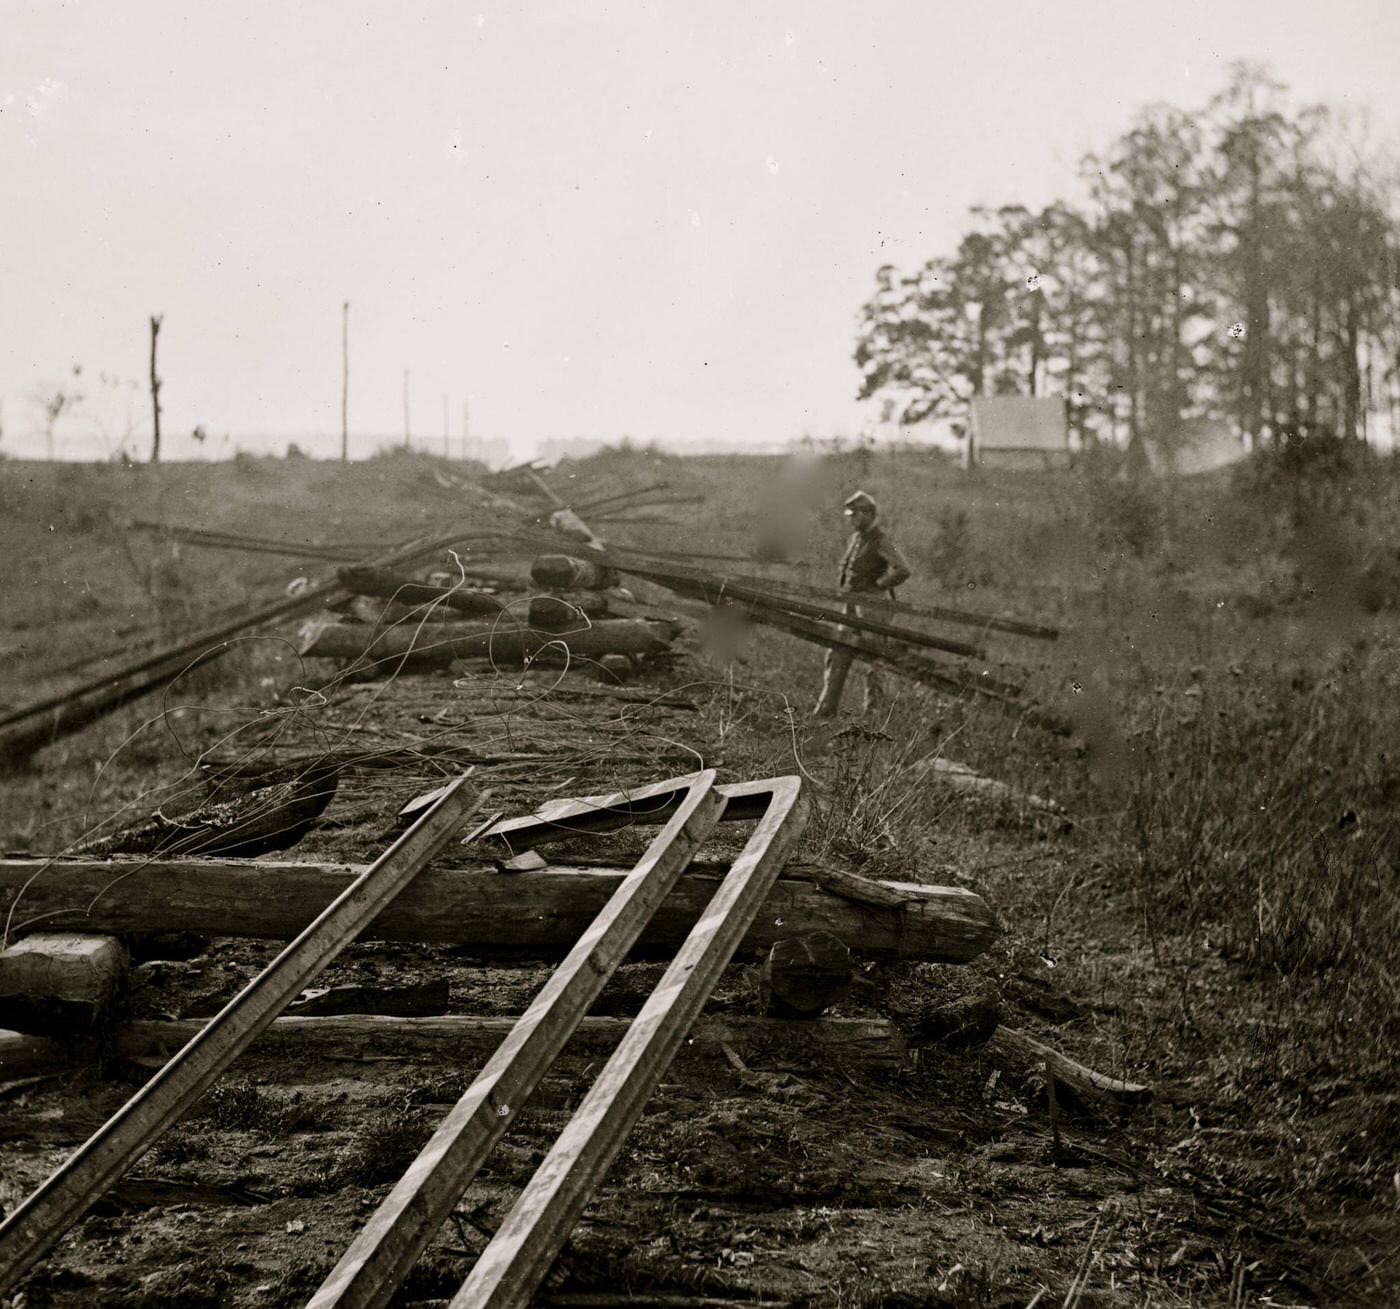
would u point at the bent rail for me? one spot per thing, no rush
(396, 1234)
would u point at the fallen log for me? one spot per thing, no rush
(531, 914)
(59, 980)
(960, 777)
(871, 1041)
(566, 611)
(387, 584)
(803, 975)
(564, 572)
(1083, 1082)
(503, 642)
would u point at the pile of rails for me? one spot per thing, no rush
(566, 612)
(559, 602)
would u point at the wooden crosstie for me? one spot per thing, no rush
(518, 1257)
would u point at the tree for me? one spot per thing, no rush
(1242, 262)
(55, 399)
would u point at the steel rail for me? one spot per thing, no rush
(517, 1258)
(38, 1223)
(655, 803)
(396, 1234)
(288, 607)
(715, 589)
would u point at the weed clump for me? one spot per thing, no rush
(381, 1147)
(243, 1107)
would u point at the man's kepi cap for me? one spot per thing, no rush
(860, 500)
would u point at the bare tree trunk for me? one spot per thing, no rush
(345, 382)
(155, 391)
(1351, 373)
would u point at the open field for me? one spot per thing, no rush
(1215, 909)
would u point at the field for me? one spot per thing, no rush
(1214, 908)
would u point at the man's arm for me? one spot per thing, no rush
(897, 568)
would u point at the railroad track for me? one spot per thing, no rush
(526, 1244)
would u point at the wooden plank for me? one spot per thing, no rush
(527, 1242)
(390, 1242)
(467, 1037)
(42, 1219)
(526, 914)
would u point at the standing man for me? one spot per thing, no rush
(872, 564)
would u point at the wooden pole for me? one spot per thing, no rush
(405, 409)
(155, 391)
(345, 382)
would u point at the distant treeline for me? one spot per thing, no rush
(1240, 262)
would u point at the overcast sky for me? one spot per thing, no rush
(584, 218)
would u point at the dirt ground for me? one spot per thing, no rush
(1260, 1171)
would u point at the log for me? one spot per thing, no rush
(502, 642)
(566, 611)
(960, 777)
(564, 572)
(22, 1054)
(804, 975)
(613, 669)
(468, 1037)
(59, 979)
(1086, 1084)
(391, 585)
(533, 914)
(961, 1024)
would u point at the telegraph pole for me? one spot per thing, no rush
(345, 382)
(155, 389)
(405, 408)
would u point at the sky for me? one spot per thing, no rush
(572, 219)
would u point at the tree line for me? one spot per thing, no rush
(1242, 262)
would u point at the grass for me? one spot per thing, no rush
(1222, 911)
